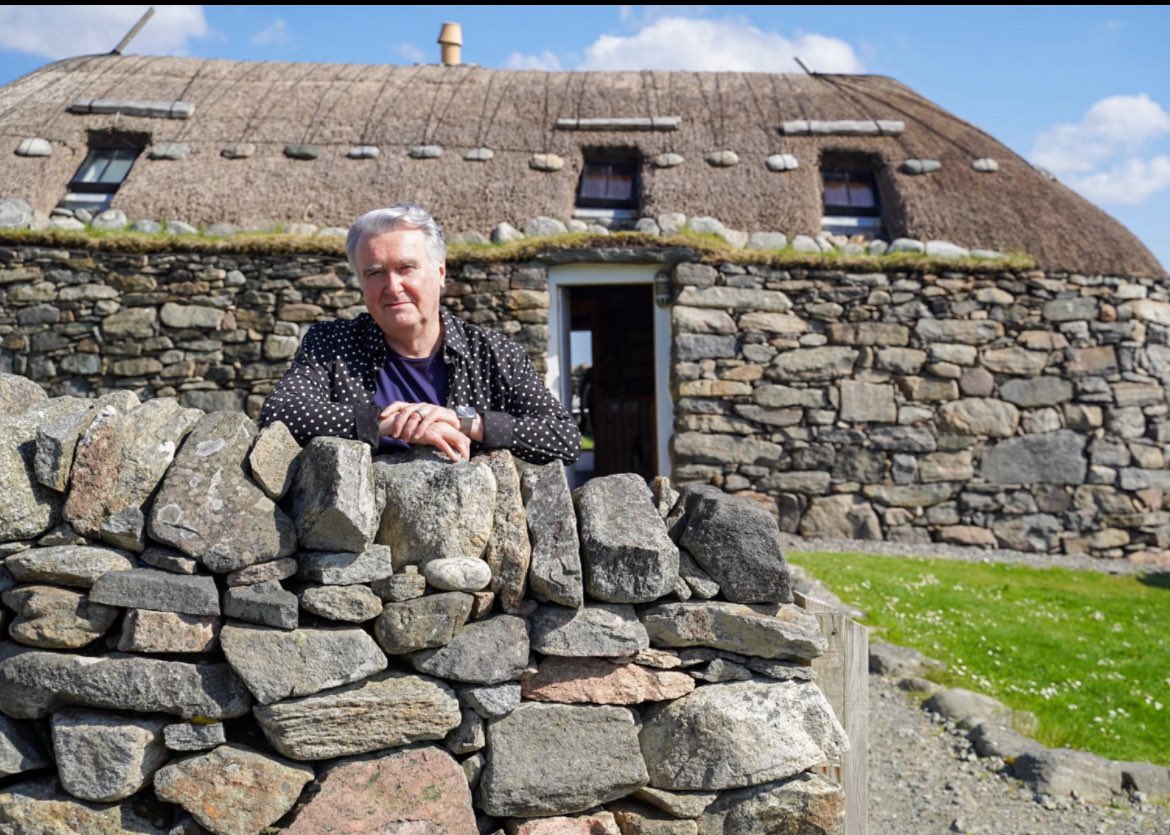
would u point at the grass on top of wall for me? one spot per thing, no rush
(1084, 651)
(706, 247)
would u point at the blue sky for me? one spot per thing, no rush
(1083, 91)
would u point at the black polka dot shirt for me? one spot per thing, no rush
(330, 387)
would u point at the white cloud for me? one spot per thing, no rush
(274, 33)
(544, 61)
(1113, 126)
(1132, 181)
(65, 31)
(678, 43)
(411, 53)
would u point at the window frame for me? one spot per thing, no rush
(97, 194)
(611, 165)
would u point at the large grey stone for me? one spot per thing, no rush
(600, 629)
(625, 551)
(422, 623)
(735, 298)
(554, 574)
(144, 630)
(812, 364)
(1031, 532)
(41, 806)
(435, 509)
(27, 507)
(1064, 772)
(121, 459)
(273, 459)
(559, 759)
(56, 441)
(48, 617)
(349, 604)
(15, 213)
(963, 331)
(333, 498)
(189, 736)
(980, 416)
(739, 734)
(66, 565)
(764, 631)
(1036, 392)
(276, 664)
(104, 756)
(233, 790)
(266, 603)
(1051, 458)
(492, 701)
(807, 803)
(737, 543)
(162, 591)
(34, 683)
(840, 517)
(603, 681)
(509, 552)
(344, 568)
(386, 711)
(485, 652)
(21, 747)
(209, 509)
(416, 791)
(457, 574)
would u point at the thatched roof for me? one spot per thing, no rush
(514, 113)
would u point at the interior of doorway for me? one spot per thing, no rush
(612, 365)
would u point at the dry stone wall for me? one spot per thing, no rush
(1026, 411)
(208, 628)
(1022, 410)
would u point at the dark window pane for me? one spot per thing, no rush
(861, 195)
(608, 185)
(105, 166)
(593, 182)
(621, 185)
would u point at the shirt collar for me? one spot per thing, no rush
(454, 340)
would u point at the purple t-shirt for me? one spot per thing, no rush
(410, 380)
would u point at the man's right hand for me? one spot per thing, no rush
(424, 423)
(448, 440)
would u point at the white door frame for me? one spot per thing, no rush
(560, 279)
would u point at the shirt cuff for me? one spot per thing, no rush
(365, 418)
(497, 429)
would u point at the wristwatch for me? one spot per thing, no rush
(467, 416)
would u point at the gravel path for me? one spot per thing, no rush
(924, 776)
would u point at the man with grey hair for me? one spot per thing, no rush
(408, 372)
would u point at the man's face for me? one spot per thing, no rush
(400, 283)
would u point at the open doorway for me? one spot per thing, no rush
(609, 346)
(613, 385)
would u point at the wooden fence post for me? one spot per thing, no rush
(843, 676)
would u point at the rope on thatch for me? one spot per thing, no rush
(428, 132)
(254, 119)
(403, 84)
(500, 99)
(364, 134)
(181, 135)
(334, 85)
(968, 152)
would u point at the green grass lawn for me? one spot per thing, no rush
(1088, 653)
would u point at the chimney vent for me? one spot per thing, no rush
(451, 40)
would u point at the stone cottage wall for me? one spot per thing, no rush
(204, 625)
(1019, 410)
(1025, 410)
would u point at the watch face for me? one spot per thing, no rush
(465, 412)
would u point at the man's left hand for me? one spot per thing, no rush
(411, 422)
